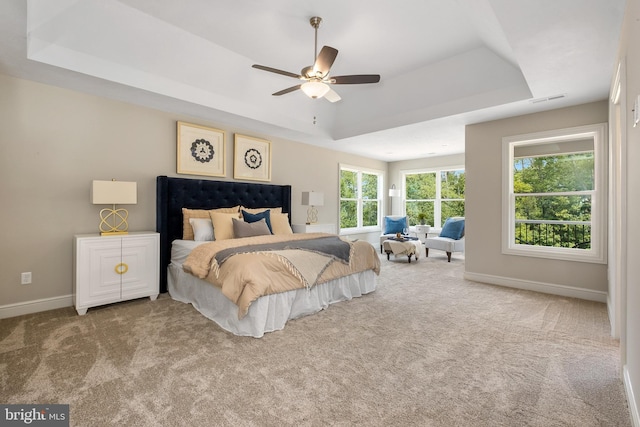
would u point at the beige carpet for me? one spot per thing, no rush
(427, 348)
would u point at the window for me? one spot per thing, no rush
(360, 198)
(434, 195)
(554, 194)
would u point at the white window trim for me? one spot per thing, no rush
(359, 228)
(598, 251)
(437, 202)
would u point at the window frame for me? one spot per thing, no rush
(597, 253)
(437, 202)
(359, 228)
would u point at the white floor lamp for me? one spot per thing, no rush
(393, 192)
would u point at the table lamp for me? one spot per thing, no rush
(312, 199)
(113, 221)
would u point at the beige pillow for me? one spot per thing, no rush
(250, 229)
(280, 223)
(222, 225)
(187, 230)
(259, 210)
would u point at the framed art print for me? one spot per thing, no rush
(200, 150)
(251, 158)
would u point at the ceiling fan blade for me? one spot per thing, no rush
(332, 96)
(275, 70)
(324, 61)
(287, 90)
(355, 79)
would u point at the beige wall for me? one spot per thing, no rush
(483, 202)
(54, 142)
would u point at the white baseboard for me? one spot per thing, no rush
(36, 306)
(615, 328)
(546, 288)
(631, 400)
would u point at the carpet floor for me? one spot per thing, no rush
(427, 348)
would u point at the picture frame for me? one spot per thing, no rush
(251, 158)
(200, 150)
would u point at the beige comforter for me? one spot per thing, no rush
(245, 277)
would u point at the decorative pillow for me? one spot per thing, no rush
(250, 229)
(222, 225)
(249, 217)
(187, 230)
(280, 223)
(394, 225)
(259, 210)
(453, 228)
(202, 229)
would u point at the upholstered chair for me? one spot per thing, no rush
(391, 225)
(451, 238)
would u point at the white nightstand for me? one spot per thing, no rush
(109, 269)
(314, 228)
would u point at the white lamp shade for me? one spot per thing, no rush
(114, 193)
(312, 198)
(315, 89)
(395, 192)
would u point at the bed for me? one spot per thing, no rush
(207, 290)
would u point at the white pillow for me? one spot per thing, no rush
(202, 229)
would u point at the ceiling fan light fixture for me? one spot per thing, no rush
(315, 89)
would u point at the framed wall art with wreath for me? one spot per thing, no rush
(251, 158)
(200, 150)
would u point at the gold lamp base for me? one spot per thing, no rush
(312, 215)
(118, 219)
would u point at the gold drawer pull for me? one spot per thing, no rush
(122, 268)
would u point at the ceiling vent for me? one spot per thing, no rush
(548, 98)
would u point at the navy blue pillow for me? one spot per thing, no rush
(392, 226)
(453, 228)
(249, 217)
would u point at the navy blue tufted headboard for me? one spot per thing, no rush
(173, 194)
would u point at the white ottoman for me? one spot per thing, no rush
(403, 247)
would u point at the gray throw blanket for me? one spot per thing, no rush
(331, 246)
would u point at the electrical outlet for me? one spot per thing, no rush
(25, 278)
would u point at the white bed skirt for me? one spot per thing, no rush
(268, 313)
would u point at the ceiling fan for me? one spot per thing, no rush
(316, 76)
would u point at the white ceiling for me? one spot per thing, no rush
(443, 64)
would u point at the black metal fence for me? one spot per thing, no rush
(562, 234)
